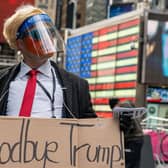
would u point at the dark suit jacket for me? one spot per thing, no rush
(75, 92)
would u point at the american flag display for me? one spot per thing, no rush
(108, 59)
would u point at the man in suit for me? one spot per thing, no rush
(37, 87)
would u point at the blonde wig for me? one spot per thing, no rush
(12, 24)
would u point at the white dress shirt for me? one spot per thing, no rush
(42, 104)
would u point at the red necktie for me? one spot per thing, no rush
(29, 93)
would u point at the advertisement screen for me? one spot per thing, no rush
(157, 93)
(155, 57)
(104, 57)
(118, 9)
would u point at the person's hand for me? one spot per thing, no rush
(129, 119)
(125, 123)
(130, 126)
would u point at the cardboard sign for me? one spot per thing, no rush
(61, 143)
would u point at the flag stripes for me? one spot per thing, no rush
(106, 59)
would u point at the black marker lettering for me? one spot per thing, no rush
(26, 150)
(4, 152)
(96, 154)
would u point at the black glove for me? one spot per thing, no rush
(125, 123)
(131, 127)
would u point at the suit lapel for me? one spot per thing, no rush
(6, 79)
(66, 84)
(67, 91)
(11, 75)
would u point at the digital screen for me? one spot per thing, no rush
(155, 57)
(118, 9)
(104, 57)
(157, 93)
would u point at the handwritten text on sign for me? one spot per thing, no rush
(70, 143)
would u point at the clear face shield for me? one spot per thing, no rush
(38, 36)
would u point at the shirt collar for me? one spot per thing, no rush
(44, 69)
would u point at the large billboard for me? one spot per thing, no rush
(107, 57)
(7, 8)
(155, 57)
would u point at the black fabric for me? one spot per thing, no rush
(139, 152)
(75, 92)
(131, 127)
